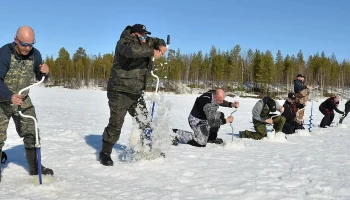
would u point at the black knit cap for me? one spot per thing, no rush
(272, 105)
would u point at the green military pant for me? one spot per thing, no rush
(24, 126)
(260, 128)
(119, 104)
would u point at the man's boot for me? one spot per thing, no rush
(105, 154)
(32, 163)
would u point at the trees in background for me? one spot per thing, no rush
(251, 70)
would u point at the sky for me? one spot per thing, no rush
(306, 166)
(287, 25)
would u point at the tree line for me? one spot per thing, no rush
(251, 70)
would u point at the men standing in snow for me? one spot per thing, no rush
(292, 116)
(205, 119)
(327, 109)
(132, 64)
(262, 117)
(19, 61)
(347, 110)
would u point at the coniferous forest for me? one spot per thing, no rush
(234, 70)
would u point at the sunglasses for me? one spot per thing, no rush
(25, 44)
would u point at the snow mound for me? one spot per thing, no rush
(234, 145)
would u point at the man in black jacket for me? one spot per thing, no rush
(346, 111)
(291, 114)
(301, 90)
(132, 64)
(327, 109)
(205, 119)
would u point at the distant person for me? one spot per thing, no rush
(293, 122)
(19, 62)
(127, 82)
(301, 90)
(347, 109)
(262, 115)
(205, 119)
(327, 108)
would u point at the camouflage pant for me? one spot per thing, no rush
(200, 132)
(260, 128)
(24, 126)
(119, 104)
(302, 97)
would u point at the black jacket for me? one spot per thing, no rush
(290, 110)
(299, 86)
(330, 105)
(132, 63)
(205, 108)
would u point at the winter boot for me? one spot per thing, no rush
(32, 163)
(105, 154)
(3, 156)
(216, 141)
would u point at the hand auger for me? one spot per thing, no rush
(149, 131)
(231, 123)
(37, 142)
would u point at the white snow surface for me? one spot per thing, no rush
(307, 165)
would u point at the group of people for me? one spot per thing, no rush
(133, 61)
(205, 119)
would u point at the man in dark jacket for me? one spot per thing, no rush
(327, 109)
(132, 64)
(301, 90)
(261, 117)
(346, 111)
(20, 61)
(205, 119)
(291, 114)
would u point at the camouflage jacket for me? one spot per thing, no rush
(132, 63)
(17, 71)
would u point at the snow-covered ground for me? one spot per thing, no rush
(306, 166)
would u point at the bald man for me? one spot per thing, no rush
(19, 62)
(205, 119)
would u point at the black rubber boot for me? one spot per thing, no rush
(32, 163)
(105, 154)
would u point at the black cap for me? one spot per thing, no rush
(272, 105)
(139, 28)
(300, 75)
(291, 95)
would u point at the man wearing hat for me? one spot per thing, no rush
(327, 108)
(300, 89)
(262, 116)
(132, 64)
(293, 120)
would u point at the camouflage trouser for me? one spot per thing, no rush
(302, 97)
(119, 104)
(200, 132)
(25, 127)
(260, 128)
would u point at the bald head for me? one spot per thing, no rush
(219, 96)
(26, 34)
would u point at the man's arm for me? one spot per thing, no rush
(156, 42)
(257, 111)
(134, 50)
(37, 62)
(5, 59)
